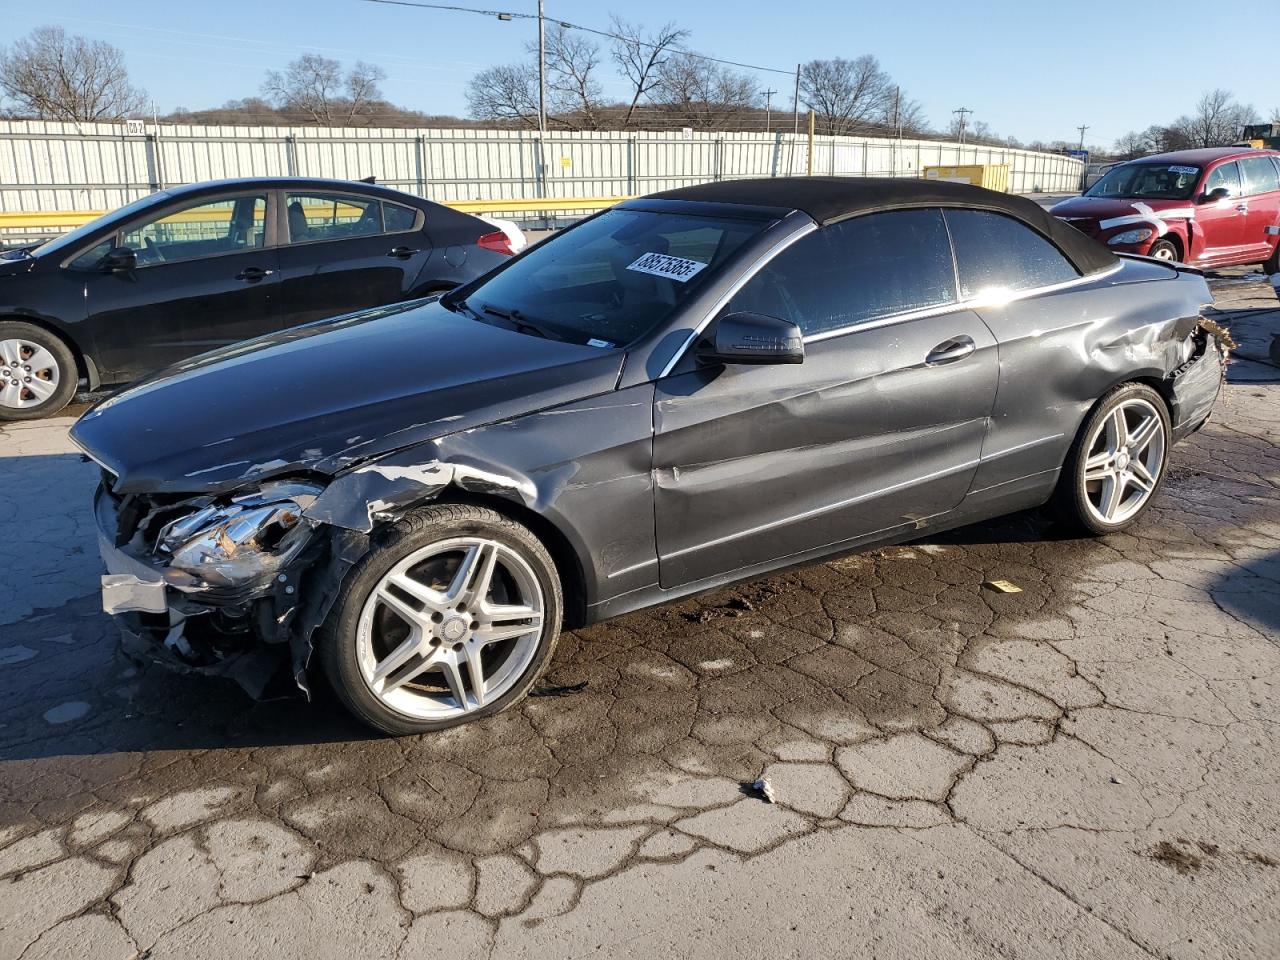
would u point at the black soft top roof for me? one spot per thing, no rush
(831, 199)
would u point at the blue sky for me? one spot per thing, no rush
(1031, 69)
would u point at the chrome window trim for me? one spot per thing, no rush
(973, 303)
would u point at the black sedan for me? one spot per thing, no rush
(194, 268)
(690, 389)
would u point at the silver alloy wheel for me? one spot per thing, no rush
(1124, 460)
(450, 628)
(29, 374)
(1164, 252)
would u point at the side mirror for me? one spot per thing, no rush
(1216, 194)
(120, 260)
(752, 338)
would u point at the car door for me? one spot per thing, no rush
(1035, 302)
(346, 252)
(1260, 184)
(879, 428)
(206, 276)
(1222, 224)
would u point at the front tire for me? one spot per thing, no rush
(1117, 462)
(1163, 250)
(38, 374)
(451, 617)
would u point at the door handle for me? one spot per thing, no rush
(1242, 208)
(253, 274)
(402, 253)
(949, 351)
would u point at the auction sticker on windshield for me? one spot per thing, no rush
(662, 265)
(1177, 169)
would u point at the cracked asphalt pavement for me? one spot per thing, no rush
(1087, 768)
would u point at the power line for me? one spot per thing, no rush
(508, 15)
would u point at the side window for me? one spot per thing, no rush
(398, 219)
(997, 252)
(1259, 175)
(205, 229)
(90, 259)
(867, 267)
(331, 216)
(1225, 175)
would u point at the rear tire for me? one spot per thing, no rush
(1117, 463)
(38, 370)
(1163, 250)
(1272, 265)
(449, 593)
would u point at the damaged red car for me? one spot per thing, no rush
(1209, 208)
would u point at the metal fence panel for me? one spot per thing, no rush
(50, 166)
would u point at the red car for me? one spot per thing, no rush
(1209, 208)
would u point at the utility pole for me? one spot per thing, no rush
(1082, 129)
(962, 113)
(768, 107)
(795, 103)
(542, 70)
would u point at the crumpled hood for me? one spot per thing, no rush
(326, 395)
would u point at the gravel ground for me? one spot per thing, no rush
(1087, 768)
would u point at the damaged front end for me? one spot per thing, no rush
(216, 585)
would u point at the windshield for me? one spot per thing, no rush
(611, 280)
(1147, 181)
(66, 240)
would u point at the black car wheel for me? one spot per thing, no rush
(1117, 462)
(450, 617)
(1163, 250)
(1272, 266)
(38, 374)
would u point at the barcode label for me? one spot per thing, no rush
(662, 265)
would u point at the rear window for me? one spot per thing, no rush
(997, 253)
(1147, 181)
(1259, 175)
(613, 279)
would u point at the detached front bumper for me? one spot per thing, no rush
(249, 631)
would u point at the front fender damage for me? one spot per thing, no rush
(208, 627)
(384, 492)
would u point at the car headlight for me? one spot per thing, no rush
(243, 541)
(1131, 236)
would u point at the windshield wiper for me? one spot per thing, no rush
(517, 320)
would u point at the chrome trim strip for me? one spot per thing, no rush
(818, 511)
(747, 275)
(987, 458)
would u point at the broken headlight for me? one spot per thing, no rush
(243, 541)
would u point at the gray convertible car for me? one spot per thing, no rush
(689, 389)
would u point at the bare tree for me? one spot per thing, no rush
(507, 92)
(573, 93)
(1132, 145)
(641, 58)
(703, 93)
(316, 86)
(1216, 121)
(53, 75)
(903, 113)
(846, 95)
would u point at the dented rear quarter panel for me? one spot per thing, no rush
(1062, 350)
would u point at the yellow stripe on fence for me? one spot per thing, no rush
(44, 219)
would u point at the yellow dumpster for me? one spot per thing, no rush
(993, 176)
